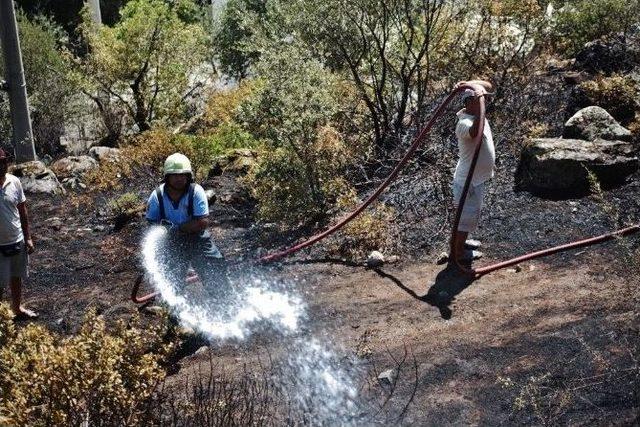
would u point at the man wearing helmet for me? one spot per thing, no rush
(182, 205)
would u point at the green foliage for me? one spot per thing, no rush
(97, 376)
(293, 189)
(367, 232)
(296, 110)
(580, 21)
(293, 110)
(233, 33)
(144, 155)
(223, 105)
(48, 87)
(144, 62)
(124, 203)
(398, 55)
(616, 94)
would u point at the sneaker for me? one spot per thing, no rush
(470, 255)
(472, 244)
(25, 315)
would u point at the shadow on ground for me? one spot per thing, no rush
(447, 285)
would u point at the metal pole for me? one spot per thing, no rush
(94, 7)
(17, 88)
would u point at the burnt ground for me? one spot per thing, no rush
(554, 341)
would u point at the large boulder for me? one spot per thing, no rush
(102, 154)
(593, 123)
(35, 177)
(558, 168)
(73, 166)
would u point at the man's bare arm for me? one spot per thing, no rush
(485, 85)
(24, 223)
(195, 225)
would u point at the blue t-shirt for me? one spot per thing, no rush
(178, 213)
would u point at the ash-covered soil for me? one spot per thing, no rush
(554, 341)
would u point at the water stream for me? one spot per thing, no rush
(312, 373)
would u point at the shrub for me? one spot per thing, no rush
(124, 203)
(222, 106)
(95, 377)
(581, 21)
(298, 111)
(367, 232)
(616, 94)
(144, 155)
(294, 187)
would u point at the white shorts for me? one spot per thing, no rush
(14, 266)
(472, 206)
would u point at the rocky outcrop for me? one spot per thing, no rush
(593, 123)
(73, 166)
(593, 144)
(102, 154)
(559, 168)
(37, 178)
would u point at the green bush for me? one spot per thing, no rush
(580, 21)
(97, 377)
(124, 203)
(368, 232)
(144, 155)
(294, 188)
(298, 111)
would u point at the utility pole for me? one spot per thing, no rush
(94, 7)
(15, 84)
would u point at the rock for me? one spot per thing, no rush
(62, 323)
(392, 259)
(37, 178)
(574, 78)
(375, 259)
(54, 222)
(102, 154)
(202, 350)
(557, 168)
(73, 166)
(211, 195)
(593, 123)
(388, 377)
(442, 258)
(73, 182)
(156, 310)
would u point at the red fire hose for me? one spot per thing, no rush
(478, 272)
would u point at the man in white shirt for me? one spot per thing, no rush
(15, 239)
(466, 131)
